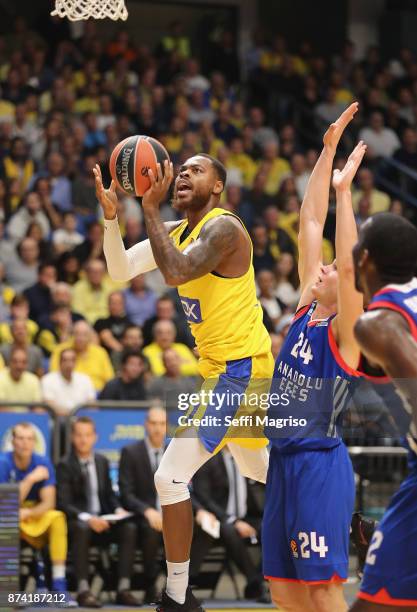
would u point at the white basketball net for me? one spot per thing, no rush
(76, 10)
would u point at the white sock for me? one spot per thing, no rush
(58, 571)
(177, 581)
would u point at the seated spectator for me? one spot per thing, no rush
(92, 246)
(222, 494)
(364, 210)
(69, 268)
(138, 463)
(242, 161)
(83, 187)
(133, 229)
(22, 268)
(329, 110)
(407, 153)
(66, 238)
(279, 239)
(91, 359)
(378, 200)
(6, 295)
(257, 196)
(238, 205)
(300, 173)
(276, 167)
(18, 164)
(90, 294)
(129, 385)
(164, 333)
(39, 295)
(381, 141)
(19, 309)
(263, 259)
(287, 284)
(170, 385)
(166, 311)
(58, 329)
(29, 212)
(61, 296)
(131, 340)
(40, 522)
(273, 305)
(110, 330)
(262, 134)
(17, 384)
(61, 194)
(85, 493)
(20, 339)
(397, 208)
(66, 389)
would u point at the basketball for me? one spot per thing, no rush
(131, 161)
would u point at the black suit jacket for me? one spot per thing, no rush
(210, 487)
(71, 486)
(136, 484)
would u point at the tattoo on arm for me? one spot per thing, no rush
(217, 239)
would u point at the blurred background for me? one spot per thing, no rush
(256, 84)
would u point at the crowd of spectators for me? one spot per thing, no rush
(68, 333)
(65, 103)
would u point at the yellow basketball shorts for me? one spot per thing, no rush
(231, 402)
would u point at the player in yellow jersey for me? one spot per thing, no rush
(208, 257)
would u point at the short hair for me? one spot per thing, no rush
(19, 299)
(126, 355)
(45, 264)
(218, 167)
(25, 425)
(129, 327)
(17, 349)
(83, 420)
(391, 242)
(65, 350)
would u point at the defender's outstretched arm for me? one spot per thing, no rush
(349, 301)
(315, 205)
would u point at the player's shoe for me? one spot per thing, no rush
(361, 534)
(191, 604)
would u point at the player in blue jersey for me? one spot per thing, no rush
(310, 487)
(385, 262)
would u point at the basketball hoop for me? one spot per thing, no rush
(77, 10)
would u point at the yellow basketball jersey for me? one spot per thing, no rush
(224, 314)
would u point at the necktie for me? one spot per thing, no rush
(235, 490)
(156, 460)
(88, 488)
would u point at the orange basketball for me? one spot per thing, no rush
(131, 160)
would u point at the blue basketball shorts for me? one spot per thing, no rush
(310, 498)
(390, 574)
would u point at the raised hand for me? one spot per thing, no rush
(342, 179)
(336, 129)
(107, 197)
(157, 192)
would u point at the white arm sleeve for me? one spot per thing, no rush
(121, 264)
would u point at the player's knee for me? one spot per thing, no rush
(328, 598)
(287, 599)
(170, 490)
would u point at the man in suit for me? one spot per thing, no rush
(138, 463)
(221, 493)
(85, 493)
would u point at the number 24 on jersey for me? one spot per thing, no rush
(302, 349)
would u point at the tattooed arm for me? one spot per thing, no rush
(218, 239)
